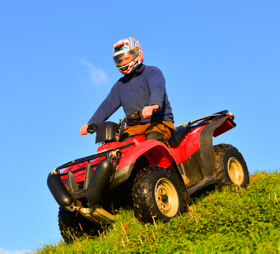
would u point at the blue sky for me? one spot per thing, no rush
(56, 68)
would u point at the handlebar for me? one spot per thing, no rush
(135, 116)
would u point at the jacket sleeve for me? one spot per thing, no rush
(156, 83)
(108, 107)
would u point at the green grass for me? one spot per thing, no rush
(233, 220)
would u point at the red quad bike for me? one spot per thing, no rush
(157, 180)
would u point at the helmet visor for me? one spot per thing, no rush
(117, 59)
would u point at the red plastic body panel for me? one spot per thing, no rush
(113, 145)
(80, 176)
(189, 145)
(154, 151)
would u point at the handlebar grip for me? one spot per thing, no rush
(92, 128)
(136, 115)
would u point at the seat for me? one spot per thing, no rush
(178, 136)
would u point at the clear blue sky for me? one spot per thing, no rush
(56, 68)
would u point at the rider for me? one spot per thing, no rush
(141, 88)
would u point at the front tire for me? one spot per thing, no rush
(230, 166)
(156, 194)
(73, 225)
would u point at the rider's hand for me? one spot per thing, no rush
(148, 111)
(83, 130)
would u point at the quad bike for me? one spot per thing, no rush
(157, 180)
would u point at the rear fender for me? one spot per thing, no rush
(201, 164)
(207, 158)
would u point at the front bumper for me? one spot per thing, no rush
(95, 184)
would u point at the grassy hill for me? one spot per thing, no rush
(233, 220)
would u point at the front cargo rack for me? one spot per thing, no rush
(91, 157)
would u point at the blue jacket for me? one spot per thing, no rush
(135, 91)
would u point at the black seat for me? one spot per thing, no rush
(178, 136)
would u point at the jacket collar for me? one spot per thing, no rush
(134, 73)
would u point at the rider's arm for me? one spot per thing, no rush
(105, 110)
(157, 89)
(107, 107)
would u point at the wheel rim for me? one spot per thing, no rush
(235, 171)
(166, 197)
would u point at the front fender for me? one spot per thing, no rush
(154, 151)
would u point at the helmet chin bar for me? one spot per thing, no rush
(124, 68)
(128, 68)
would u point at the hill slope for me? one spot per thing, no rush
(233, 220)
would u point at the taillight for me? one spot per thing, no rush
(230, 115)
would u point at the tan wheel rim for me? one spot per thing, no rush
(235, 171)
(166, 197)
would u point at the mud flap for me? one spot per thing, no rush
(207, 158)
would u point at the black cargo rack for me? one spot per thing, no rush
(91, 157)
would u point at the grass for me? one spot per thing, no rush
(233, 220)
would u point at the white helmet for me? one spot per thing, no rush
(129, 46)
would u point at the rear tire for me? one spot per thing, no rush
(230, 166)
(73, 225)
(156, 194)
